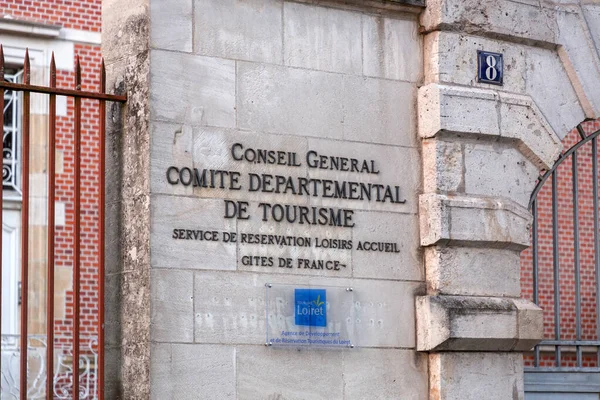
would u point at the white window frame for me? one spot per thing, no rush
(11, 168)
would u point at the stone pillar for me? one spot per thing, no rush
(482, 148)
(125, 48)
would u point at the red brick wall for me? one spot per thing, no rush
(76, 14)
(90, 61)
(566, 251)
(83, 15)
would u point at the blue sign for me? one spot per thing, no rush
(310, 307)
(321, 317)
(490, 67)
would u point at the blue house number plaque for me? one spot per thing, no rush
(490, 67)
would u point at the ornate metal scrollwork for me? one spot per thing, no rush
(63, 367)
(11, 132)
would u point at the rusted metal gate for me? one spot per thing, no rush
(565, 271)
(25, 89)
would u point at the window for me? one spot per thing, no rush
(11, 133)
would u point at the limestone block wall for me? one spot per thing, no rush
(334, 79)
(294, 77)
(209, 79)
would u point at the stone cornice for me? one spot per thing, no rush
(36, 29)
(450, 220)
(488, 113)
(470, 323)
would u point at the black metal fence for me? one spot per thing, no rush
(565, 259)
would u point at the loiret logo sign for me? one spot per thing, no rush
(310, 307)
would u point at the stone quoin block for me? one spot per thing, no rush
(443, 164)
(398, 229)
(453, 60)
(321, 38)
(242, 30)
(524, 122)
(182, 227)
(485, 113)
(457, 109)
(174, 17)
(379, 111)
(207, 99)
(308, 103)
(476, 167)
(583, 64)
(487, 164)
(176, 368)
(475, 376)
(530, 325)
(289, 375)
(527, 22)
(391, 48)
(172, 308)
(447, 220)
(564, 115)
(472, 271)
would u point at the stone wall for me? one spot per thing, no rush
(293, 77)
(210, 79)
(283, 76)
